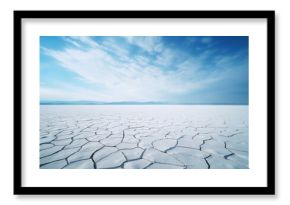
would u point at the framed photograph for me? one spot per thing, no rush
(144, 102)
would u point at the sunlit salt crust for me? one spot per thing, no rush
(144, 137)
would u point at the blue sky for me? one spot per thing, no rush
(172, 69)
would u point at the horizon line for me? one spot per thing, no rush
(81, 102)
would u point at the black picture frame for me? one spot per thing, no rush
(18, 94)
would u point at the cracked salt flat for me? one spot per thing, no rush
(144, 137)
(137, 164)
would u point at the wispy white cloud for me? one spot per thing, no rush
(85, 40)
(72, 42)
(167, 57)
(147, 43)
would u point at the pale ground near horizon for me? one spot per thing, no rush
(144, 136)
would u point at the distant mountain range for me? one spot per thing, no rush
(83, 102)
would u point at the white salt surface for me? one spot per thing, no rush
(144, 136)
